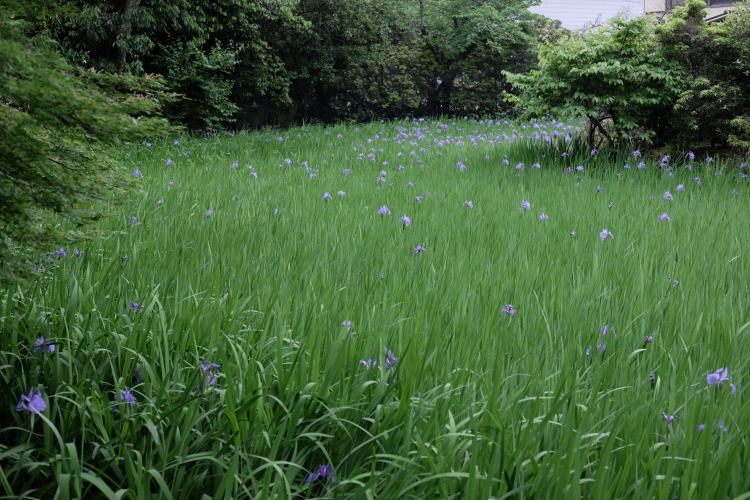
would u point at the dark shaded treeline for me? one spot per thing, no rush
(249, 63)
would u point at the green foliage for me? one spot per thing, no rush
(251, 63)
(709, 94)
(204, 80)
(471, 44)
(616, 77)
(58, 125)
(682, 82)
(733, 39)
(217, 55)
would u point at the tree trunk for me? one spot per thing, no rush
(125, 28)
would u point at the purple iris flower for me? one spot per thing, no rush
(384, 210)
(168, 162)
(368, 363)
(605, 233)
(41, 345)
(406, 220)
(637, 153)
(60, 253)
(461, 167)
(469, 203)
(390, 359)
(347, 323)
(419, 199)
(324, 472)
(134, 306)
(525, 205)
(690, 155)
(410, 184)
(133, 220)
(679, 188)
(701, 427)
(159, 202)
(599, 189)
(520, 166)
(664, 217)
(127, 397)
(347, 171)
(668, 418)
(579, 168)
(419, 249)
(209, 212)
(594, 152)
(211, 371)
(719, 377)
(137, 173)
(509, 310)
(327, 196)
(543, 216)
(207, 367)
(342, 193)
(33, 402)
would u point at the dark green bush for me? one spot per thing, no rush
(58, 125)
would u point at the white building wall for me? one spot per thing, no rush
(654, 6)
(577, 14)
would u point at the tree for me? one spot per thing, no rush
(733, 38)
(470, 45)
(617, 78)
(58, 125)
(218, 55)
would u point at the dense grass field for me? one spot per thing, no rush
(372, 313)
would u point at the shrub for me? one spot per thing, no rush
(616, 77)
(58, 125)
